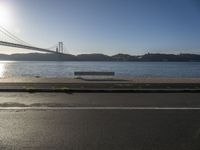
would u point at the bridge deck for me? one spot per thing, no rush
(3, 43)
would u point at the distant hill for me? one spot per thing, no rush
(93, 57)
(124, 57)
(100, 57)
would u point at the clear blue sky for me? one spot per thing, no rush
(109, 26)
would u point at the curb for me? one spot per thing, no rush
(102, 90)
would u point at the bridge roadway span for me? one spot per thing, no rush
(3, 43)
(100, 121)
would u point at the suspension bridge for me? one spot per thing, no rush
(8, 39)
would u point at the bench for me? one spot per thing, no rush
(93, 73)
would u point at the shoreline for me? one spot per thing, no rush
(99, 79)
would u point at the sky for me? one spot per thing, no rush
(105, 26)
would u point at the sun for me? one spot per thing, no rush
(5, 15)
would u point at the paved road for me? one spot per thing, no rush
(100, 129)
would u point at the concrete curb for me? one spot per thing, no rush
(38, 90)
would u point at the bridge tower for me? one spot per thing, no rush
(60, 47)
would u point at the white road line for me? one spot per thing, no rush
(99, 108)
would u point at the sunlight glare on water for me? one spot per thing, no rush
(2, 69)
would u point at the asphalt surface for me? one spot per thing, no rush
(111, 126)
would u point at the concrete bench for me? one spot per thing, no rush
(92, 73)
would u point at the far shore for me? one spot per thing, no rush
(149, 57)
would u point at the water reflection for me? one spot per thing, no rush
(5, 68)
(10, 69)
(2, 69)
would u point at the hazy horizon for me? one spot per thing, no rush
(132, 27)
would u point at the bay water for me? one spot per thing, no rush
(121, 69)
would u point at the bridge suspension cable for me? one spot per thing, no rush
(19, 43)
(13, 37)
(66, 49)
(53, 47)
